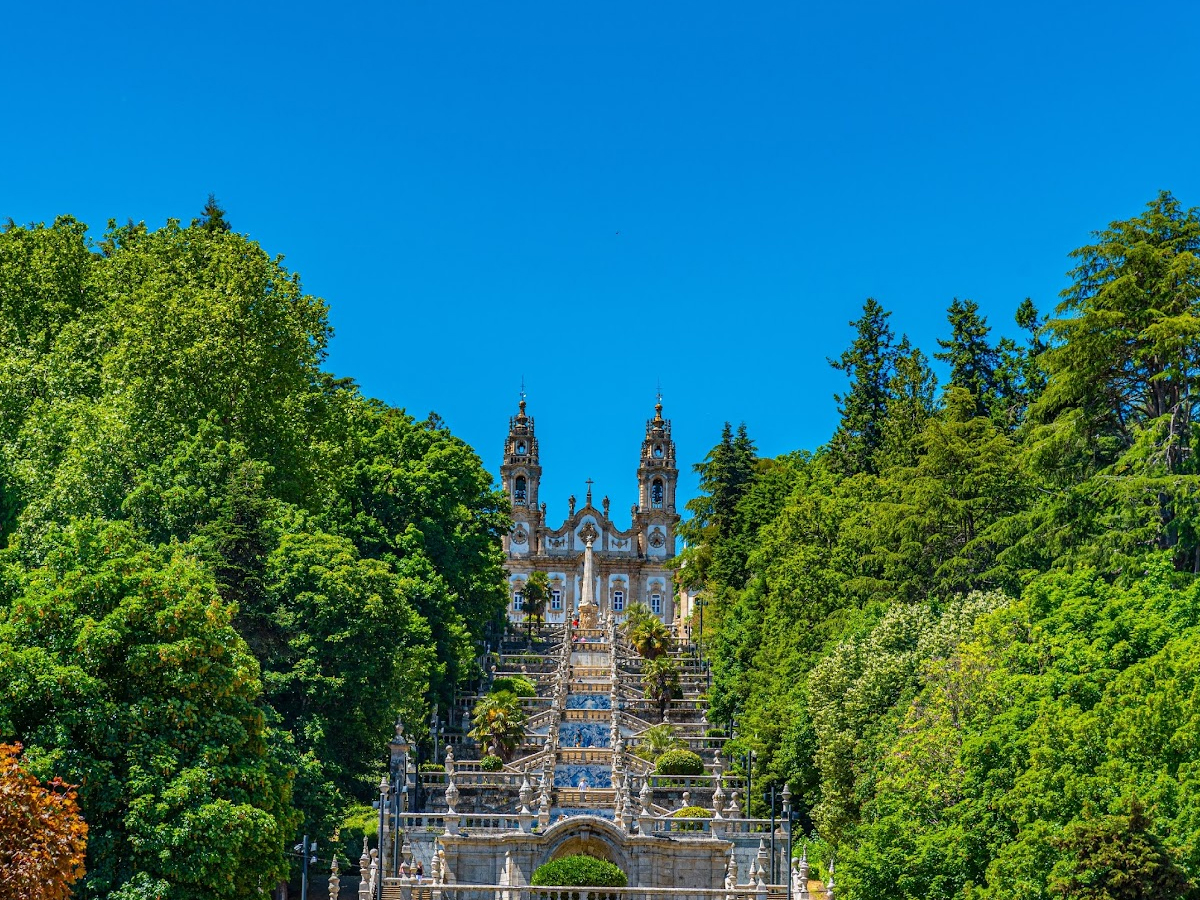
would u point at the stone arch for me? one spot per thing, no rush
(590, 836)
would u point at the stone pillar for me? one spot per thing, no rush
(525, 814)
(802, 876)
(646, 817)
(364, 868)
(335, 883)
(589, 612)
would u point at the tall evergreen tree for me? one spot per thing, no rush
(213, 218)
(971, 358)
(1127, 341)
(912, 392)
(869, 363)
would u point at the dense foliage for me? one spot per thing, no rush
(42, 835)
(679, 762)
(966, 630)
(225, 573)
(579, 871)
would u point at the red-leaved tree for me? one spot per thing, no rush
(42, 835)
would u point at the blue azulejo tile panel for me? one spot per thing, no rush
(582, 777)
(583, 734)
(589, 701)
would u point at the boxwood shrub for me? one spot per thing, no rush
(692, 812)
(491, 763)
(514, 684)
(679, 762)
(579, 871)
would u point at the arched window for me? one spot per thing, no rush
(519, 489)
(656, 493)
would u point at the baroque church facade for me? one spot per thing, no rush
(622, 565)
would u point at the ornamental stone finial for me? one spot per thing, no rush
(734, 810)
(335, 883)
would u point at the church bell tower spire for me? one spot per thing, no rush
(520, 478)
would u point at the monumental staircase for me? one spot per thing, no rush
(576, 784)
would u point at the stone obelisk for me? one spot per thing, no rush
(589, 611)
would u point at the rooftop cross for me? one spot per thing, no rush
(589, 492)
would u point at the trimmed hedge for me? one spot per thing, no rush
(514, 684)
(679, 762)
(579, 871)
(491, 763)
(692, 812)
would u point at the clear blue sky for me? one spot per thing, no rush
(599, 195)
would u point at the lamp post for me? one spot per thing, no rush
(306, 849)
(435, 726)
(773, 847)
(398, 748)
(787, 826)
(750, 759)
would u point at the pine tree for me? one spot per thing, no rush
(869, 363)
(912, 393)
(212, 219)
(971, 358)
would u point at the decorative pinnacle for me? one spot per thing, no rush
(522, 404)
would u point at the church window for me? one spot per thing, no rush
(656, 604)
(618, 601)
(556, 599)
(519, 489)
(518, 600)
(656, 494)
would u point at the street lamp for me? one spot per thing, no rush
(787, 824)
(307, 849)
(398, 748)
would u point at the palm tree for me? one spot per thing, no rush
(537, 593)
(660, 680)
(651, 638)
(657, 740)
(499, 721)
(635, 614)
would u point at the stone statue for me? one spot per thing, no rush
(570, 506)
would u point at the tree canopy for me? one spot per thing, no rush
(226, 572)
(964, 630)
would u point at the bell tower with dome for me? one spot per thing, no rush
(657, 477)
(520, 477)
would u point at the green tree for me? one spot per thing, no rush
(351, 656)
(651, 638)
(213, 217)
(1127, 343)
(499, 723)
(660, 680)
(972, 359)
(1116, 858)
(120, 671)
(912, 393)
(537, 595)
(657, 740)
(868, 363)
